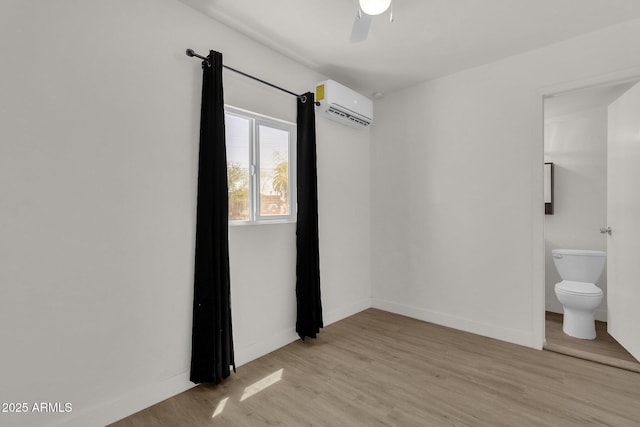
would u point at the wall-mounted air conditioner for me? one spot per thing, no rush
(339, 103)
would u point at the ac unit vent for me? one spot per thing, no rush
(341, 104)
(337, 112)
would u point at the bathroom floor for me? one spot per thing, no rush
(604, 349)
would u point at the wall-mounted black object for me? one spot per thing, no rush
(548, 188)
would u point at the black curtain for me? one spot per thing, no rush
(309, 305)
(212, 338)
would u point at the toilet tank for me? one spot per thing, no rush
(579, 265)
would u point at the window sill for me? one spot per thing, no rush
(266, 222)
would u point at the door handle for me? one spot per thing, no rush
(605, 230)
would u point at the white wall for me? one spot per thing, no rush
(577, 145)
(99, 116)
(457, 168)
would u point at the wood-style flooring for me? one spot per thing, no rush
(603, 349)
(381, 369)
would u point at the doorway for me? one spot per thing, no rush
(575, 142)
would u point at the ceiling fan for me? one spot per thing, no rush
(367, 9)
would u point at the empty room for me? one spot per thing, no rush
(319, 212)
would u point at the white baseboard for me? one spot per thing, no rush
(128, 403)
(601, 314)
(278, 340)
(346, 311)
(501, 333)
(139, 399)
(244, 355)
(553, 306)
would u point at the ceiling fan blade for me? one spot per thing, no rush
(361, 27)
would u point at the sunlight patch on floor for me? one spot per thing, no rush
(258, 386)
(220, 407)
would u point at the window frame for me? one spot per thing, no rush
(255, 120)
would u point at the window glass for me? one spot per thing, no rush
(259, 167)
(274, 171)
(238, 166)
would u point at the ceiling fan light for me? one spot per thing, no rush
(374, 7)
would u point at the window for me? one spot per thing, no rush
(260, 167)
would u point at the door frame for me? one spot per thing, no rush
(538, 249)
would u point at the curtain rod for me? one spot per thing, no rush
(303, 98)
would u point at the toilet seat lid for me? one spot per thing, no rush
(578, 288)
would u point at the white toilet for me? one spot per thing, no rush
(578, 294)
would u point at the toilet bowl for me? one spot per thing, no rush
(579, 302)
(577, 292)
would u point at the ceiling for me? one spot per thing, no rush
(428, 38)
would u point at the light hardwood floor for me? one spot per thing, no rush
(376, 368)
(604, 349)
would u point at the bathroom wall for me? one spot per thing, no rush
(99, 119)
(457, 168)
(577, 145)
